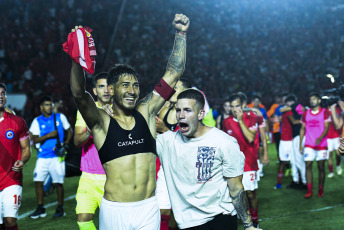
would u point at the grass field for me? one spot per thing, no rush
(278, 209)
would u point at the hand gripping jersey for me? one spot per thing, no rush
(12, 130)
(120, 142)
(81, 48)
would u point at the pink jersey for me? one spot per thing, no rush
(90, 161)
(315, 126)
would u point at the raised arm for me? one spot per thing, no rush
(174, 70)
(82, 98)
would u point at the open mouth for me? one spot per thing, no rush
(183, 127)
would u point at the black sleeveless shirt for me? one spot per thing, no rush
(169, 126)
(120, 142)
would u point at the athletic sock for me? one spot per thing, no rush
(330, 168)
(12, 228)
(89, 225)
(310, 187)
(254, 214)
(321, 189)
(279, 178)
(164, 222)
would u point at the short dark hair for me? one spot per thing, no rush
(314, 94)
(257, 97)
(102, 75)
(186, 83)
(118, 70)
(193, 94)
(44, 99)
(243, 97)
(236, 96)
(290, 97)
(2, 85)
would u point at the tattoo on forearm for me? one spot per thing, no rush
(146, 99)
(240, 203)
(176, 62)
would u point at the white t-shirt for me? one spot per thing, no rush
(195, 172)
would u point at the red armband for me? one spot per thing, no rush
(164, 90)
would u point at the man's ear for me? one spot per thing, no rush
(201, 114)
(95, 91)
(111, 89)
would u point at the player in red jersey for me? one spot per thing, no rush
(286, 144)
(333, 142)
(14, 153)
(243, 127)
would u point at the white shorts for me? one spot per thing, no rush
(144, 215)
(285, 150)
(161, 191)
(250, 181)
(52, 166)
(333, 144)
(311, 154)
(10, 201)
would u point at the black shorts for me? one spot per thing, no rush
(220, 222)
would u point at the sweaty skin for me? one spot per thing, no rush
(129, 178)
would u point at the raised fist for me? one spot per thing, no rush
(181, 22)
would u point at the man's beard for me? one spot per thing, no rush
(313, 106)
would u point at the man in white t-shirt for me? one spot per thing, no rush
(203, 169)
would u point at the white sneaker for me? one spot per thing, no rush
(330, 175)
(339, 170)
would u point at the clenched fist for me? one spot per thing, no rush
(181, 22)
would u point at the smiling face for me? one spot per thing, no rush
(102, 92)
(189, 116)
(126, 92)
(3, 98)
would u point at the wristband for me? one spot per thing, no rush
(164, 90)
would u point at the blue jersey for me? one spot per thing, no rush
(41, 126)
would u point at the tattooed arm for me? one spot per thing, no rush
(239, 200)
(175, 65)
